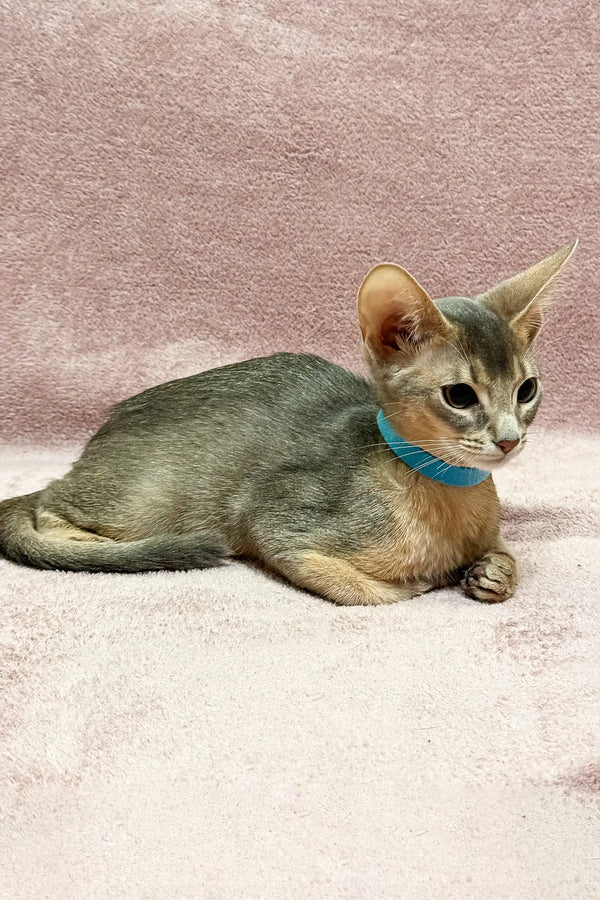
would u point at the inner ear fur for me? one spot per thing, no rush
(523, 299)
(395, 313)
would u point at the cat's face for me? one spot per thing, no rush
(468, 398)
(456, 376)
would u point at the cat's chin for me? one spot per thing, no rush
(491, 463)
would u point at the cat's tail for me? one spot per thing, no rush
(21, 542)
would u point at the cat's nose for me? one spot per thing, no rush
(506, 446)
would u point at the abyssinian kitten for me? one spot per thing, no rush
(365, 492)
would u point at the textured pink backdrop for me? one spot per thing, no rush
(190, 183)
(187, 183)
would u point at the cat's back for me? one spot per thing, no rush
(286, 412)
(288, 385)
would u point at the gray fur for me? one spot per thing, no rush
(484, 334)
(278, 458)
(22, 543)
(267, 457)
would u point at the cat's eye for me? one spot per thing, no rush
(460, 396)
(527, 391)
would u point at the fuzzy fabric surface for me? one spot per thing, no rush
(222, 734)
(187, 183)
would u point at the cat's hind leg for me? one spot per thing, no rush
(52, 525)
(60, 544)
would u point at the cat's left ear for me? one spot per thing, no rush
(523, 299)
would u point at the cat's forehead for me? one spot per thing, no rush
(485, 336)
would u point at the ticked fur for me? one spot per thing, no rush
(434, 529)
(280, 458)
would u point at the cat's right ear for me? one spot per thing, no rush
(396, 315)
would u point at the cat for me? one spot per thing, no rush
(363, 492)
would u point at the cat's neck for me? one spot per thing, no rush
(427, 464)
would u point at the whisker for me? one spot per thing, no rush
(539, 348)
(448, 465)
(460, 344)
(533, 346)
(461, 353)
(417, 450)
(417, 468)
(439, 442)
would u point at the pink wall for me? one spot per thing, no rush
(188, 183)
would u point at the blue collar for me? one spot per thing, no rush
(425, 463)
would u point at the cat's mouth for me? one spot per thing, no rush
(492, 458)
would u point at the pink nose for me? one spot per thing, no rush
(506, 446)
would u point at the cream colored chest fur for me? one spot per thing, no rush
(433, 528)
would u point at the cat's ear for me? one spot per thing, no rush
(523, 299)
(395, 313)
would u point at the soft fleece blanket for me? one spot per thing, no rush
(221, 734)
(185, 184)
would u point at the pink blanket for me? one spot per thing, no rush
(191, 183)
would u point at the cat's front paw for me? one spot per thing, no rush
(491, 579)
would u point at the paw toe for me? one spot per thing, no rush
(490, 580)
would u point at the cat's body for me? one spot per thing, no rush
(279, 459)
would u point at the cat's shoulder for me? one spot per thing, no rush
(305, 375)
(303, 362)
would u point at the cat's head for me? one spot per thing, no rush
(456, 376)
